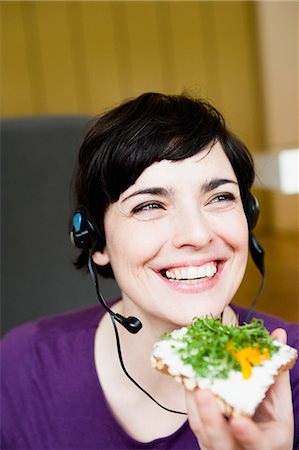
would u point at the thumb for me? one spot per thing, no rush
(280, 334)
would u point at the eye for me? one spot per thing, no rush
(222, 200)
(223, 197)
(148, 210)
(146, 206)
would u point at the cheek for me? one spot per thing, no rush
(238, 239)
(133, 246)
(233, 231)
(238, 236)
(241, 234)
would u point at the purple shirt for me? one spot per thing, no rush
(52, 398)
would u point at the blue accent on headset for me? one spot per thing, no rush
(77, 219)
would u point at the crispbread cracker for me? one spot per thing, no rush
(236, 396)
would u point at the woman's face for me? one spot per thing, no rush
(177, 239)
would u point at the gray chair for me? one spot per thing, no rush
(38, 156)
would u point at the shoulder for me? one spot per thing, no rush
(38, 337)
(42, 364)
(67, 321)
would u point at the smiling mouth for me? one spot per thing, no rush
(191, 274)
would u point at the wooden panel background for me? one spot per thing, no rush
(85, 56)
(82, 57)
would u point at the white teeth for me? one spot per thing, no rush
(191, 273)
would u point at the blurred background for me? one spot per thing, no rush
(63, 62)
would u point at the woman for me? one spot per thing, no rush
(163, 191)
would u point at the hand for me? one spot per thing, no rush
(270, 429)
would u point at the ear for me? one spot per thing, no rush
(101, 258)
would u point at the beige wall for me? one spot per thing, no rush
(82, 57)
(277, 24)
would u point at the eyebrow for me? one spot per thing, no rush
(215, 183)
(205, 188)
(152, 191)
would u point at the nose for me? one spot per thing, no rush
(192, 229)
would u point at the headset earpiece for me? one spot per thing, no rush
(252, 210)
(84, 233)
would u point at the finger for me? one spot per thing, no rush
(246, 433)
(282, 385)
(251, 436)
(217, 433)
(280, 393)
(280, 397)
(280, 334)
(194, 418)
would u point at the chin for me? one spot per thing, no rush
(182, 316)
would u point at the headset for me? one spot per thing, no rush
(86, 235)
(252, 211)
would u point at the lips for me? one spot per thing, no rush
(191, 273)
(191, 277)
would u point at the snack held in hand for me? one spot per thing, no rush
(238, 364)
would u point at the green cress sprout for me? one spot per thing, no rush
(214, 349)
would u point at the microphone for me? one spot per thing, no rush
(132, 324)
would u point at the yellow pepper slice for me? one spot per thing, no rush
(248, 357)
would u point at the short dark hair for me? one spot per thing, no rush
(153, 127)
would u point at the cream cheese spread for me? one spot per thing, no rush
(243, 395)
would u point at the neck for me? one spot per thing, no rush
(136, 351)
